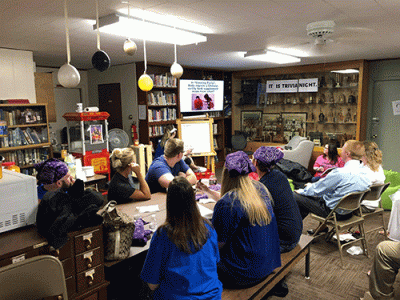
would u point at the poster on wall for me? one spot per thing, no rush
(96, 134)
(294, 124)
(251, 122)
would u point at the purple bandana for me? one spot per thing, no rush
(51, 171)
(238, 163)
(268, 155)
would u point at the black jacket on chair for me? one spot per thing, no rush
(61, 212)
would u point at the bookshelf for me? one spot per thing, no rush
(160, 106)
(26, 141)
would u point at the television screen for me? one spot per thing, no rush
(201, 95)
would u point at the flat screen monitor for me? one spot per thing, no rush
(201, 95)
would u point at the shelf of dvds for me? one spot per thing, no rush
(26, 138)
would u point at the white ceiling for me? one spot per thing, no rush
(365, 29)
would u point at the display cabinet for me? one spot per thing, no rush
(25, 135)
(335, 108)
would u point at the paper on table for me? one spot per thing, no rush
(149, 208)
(207, 200)
(205, 212)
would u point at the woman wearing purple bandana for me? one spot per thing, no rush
(53, 174)
(246, 226)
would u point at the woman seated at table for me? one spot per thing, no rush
(330, 159)
(123, 187)
(182, 259)
(246, 225)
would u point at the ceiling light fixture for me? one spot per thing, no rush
(347, 71)
(128, 26)
(271, 56)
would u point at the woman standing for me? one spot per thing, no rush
(246, 225)
(183, 254)
(330, 159)
(123, 187)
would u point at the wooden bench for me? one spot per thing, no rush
(289, 260)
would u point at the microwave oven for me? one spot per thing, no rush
(18, 200)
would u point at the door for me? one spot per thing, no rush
(385, 125)
(110, 101)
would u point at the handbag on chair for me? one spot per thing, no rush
(118, 232)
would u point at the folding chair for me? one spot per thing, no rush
(34, 278)
(375, 193)
(351, 203)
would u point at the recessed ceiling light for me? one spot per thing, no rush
(271, 56)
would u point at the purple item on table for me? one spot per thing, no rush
(201, 196)
(215, 187)
(238, 163)
(140, 233)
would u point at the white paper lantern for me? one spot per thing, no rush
(68, 76)
(130, 47)
(176, 70)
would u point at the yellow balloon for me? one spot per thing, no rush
(145, 83)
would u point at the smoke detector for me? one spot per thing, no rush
(320, 29)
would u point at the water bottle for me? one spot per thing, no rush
(153, 223)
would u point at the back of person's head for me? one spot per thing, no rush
(51, 170)
(236, 182)
(173, 147)
(356, 149)
(373, 155)
(184, 224)
(167, 134)
(121, 158)
(332, 152)
(267, 157)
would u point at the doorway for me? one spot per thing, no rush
(110, 101)
(385, 125)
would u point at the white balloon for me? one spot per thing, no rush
(176, 70)
(130, 47)
(68, 76)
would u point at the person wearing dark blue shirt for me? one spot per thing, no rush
(163, 169)
(287, 213)
(182, 259)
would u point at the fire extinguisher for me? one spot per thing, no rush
(135, 139)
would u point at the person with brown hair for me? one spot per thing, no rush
(122, 187)
(182, 259)
(329, 159)
(322, 196)
(246, 225)
(164, 168)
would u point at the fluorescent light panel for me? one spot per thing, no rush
(122, 25)
(271, 56)
(347, 71)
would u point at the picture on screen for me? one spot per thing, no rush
(201, 95)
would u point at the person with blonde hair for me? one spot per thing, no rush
(164, 168)
(182, 259)
(372, 160)
(122, 187)
(246, 225)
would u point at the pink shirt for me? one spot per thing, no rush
(326, 164)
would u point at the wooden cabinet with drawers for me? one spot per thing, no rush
(82, 258)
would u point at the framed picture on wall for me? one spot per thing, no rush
(251, 123)
(269, 126)
(295, 124)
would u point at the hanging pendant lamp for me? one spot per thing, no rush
(130, 46)
(100, 59)
(68, 76)
(145, 82)
(176, 69)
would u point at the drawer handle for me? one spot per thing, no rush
(89, 242)
(89, 261)
(91, 279)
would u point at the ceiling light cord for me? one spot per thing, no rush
(67, 32)
(97, 22)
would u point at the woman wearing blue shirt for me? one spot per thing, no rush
(246, 226)
(182, 259)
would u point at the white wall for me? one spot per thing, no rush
(16, 75)
(126, 76)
